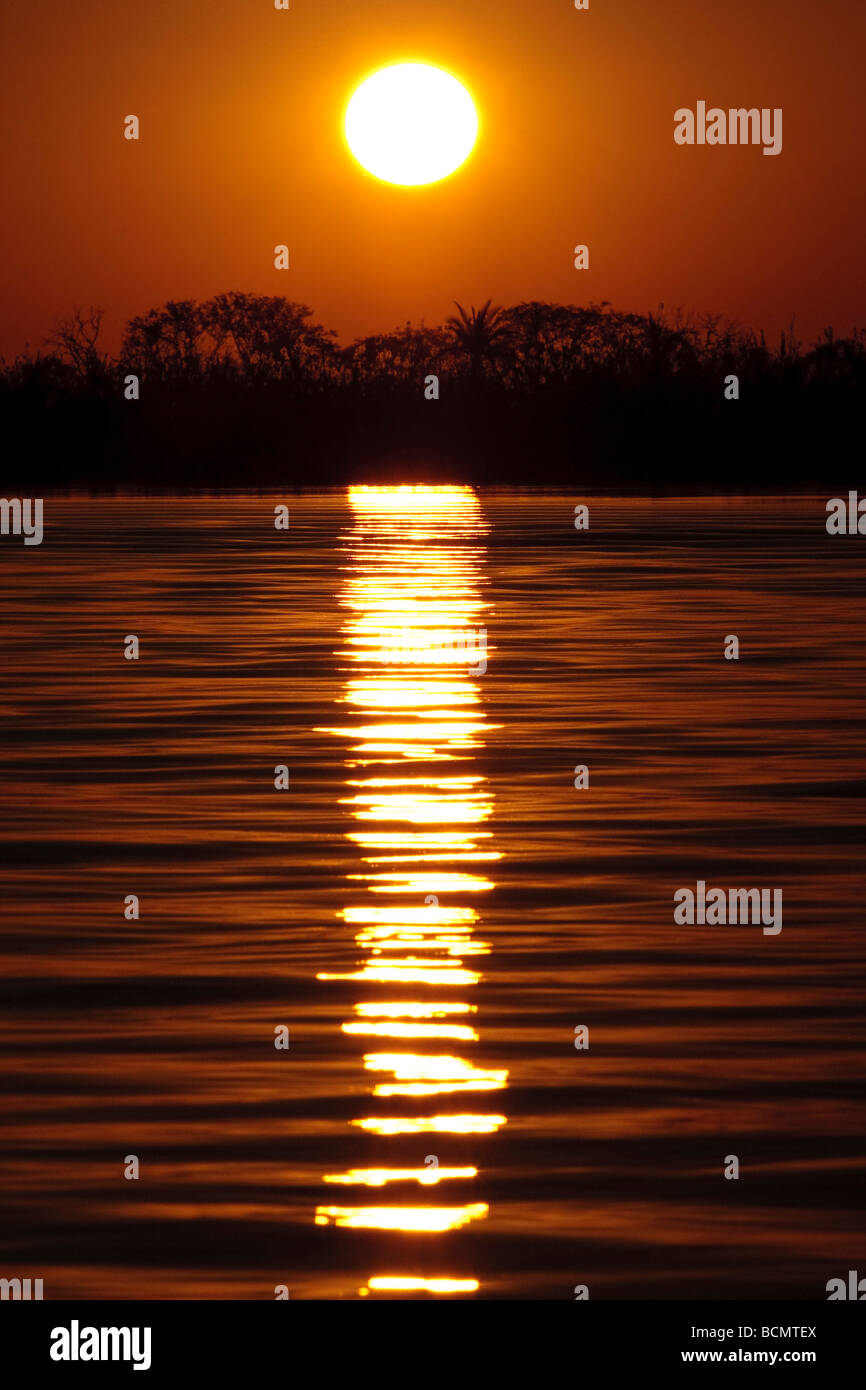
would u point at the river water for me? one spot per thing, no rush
(339, 1038)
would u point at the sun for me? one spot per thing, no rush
(411, 123)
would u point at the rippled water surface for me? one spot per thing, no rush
(430, 908)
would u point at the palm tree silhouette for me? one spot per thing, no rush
(478, 334)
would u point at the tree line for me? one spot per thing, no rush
(245, 390)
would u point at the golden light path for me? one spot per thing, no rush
(401, 1218)
(377, 1177)
(398, 1285)
(414, 644)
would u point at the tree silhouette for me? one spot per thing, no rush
(386, 360)
(167, 342)
(269, 338)
(249, 388)
(479, 335)
(76, 337)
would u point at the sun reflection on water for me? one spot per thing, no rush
(413, 646)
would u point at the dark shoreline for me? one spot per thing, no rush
(206, 396)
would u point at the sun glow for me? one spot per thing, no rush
(411, 124)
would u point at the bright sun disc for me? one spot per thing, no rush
(411, 124)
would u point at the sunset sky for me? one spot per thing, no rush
(242, 148)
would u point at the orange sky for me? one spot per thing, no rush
(241, 147)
